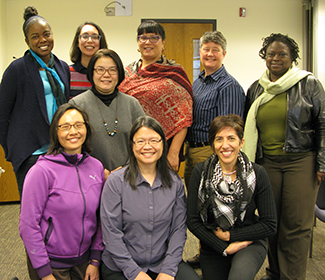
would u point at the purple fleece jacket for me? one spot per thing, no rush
(59, 220)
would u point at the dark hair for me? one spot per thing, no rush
(55, 146)
(105, 53)
(150, 26)
(31, 16)
(221, 122)
(75, 53)
(285, 39)
(163, 165)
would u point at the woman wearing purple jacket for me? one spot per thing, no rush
(59, 221)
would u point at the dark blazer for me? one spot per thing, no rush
(24, 124)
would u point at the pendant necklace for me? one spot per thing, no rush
(104, 121)
(227, 177)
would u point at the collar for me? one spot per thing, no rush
(78, 67)
(142, 182)
(75, 159)
(215, 75)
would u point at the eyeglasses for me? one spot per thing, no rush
(213, 50)
(66, 126)
(101, 70)
(281, 55)
(152, 39)
(151, 142)
(85, 37)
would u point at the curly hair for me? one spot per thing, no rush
(285, 39)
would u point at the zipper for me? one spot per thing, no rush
(84, 213)
(49, 231)
(285, 139)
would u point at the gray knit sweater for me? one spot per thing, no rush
(112, 151)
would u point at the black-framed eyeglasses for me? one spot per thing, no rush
(152, 39)
(151, 142)
(85, 37)
(101, 70)
(77, 126)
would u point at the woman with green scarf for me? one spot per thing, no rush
(285, 133)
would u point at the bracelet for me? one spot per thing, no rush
(224, 253)
(94, 263)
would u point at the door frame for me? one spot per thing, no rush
(167, 20)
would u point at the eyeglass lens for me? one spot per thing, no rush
(67, 126)
(102, 70)
(152, 39)
(85, 37)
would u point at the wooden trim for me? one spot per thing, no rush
(164, 20)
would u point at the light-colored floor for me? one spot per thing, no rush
(13, 260)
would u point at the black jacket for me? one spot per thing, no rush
(305, 130)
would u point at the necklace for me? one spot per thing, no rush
(227, 177)
(104, 121)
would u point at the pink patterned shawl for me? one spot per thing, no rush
(164, 92)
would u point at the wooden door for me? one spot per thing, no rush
(182, 45)
(8, 183)
(182, 40)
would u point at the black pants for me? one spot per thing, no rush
(243, 265)
(185, 272)
(22, 171)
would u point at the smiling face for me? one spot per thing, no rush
(211, 56)
(106, 82)
(40, 40)
(72, 140)
(278, 60)
(147, 154)
(89, 47)
(227, 146)
(151, 52)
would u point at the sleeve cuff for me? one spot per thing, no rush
(44, 270)
(95, 255)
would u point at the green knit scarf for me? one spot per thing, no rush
(271, 89)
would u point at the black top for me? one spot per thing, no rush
(253, 227)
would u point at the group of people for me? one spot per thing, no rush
(96, 149)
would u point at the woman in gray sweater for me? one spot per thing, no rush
(111, 113)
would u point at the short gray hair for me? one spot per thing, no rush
(215, 37)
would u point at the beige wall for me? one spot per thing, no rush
(243, 34)
(2, 36)
(319, 40)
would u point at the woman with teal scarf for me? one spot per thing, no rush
(31, 90)
(285, 133)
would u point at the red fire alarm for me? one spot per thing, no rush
(242, 12)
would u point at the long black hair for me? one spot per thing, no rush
(163, 166)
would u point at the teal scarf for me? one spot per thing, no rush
(56, 84)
